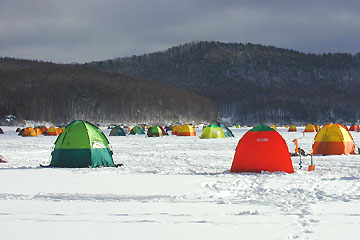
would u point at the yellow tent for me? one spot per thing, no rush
(333, 139)
(29, 132)
(186, 130)
(310, 128)
(175, 129)
(292, 128)
(212, 131)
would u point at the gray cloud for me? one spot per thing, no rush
(86, 30)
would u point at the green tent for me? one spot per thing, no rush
(137, 130)
(117, 131)
(212, 131)
(155, 131)
(226, 130)
(82, 145)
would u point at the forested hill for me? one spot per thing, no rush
(254, 83)
(61, 93)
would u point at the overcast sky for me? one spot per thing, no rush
(87, 30)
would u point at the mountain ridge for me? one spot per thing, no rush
(252, 83)
(40, 91)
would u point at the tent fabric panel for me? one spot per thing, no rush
(333, 148)
(102, 157)
(74, 137)
(71, 158)
(96, 137)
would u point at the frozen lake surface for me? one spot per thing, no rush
(175, 188)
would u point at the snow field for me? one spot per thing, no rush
(175, 188)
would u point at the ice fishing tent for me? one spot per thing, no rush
(354, 128)
(186, 130)
(292, 128)
(310, 128)
(333, 139)
(175, 129)
(117, 131)
(262, 149)
(59, 130)
(82, 145)
(29, 132)
(137, 130)
(1, 131)
(212, 131)
(52, 131)
(154, 131)
(226, 130)
(38, 131)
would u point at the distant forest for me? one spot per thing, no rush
(253, 83)
(57, 93)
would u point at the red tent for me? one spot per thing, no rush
(262, 149)
(354, 128)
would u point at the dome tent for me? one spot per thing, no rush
(262, 149)
(137, 130)
(117, 131)
(82, 145)
(175, 129)
(226, 130)
(186, 130)
(29, 132)
(310, 128)
(333, 139)
(292, 128)
(354, 128)
(38, 131)
(212, 131)
(155, 131)
(52, 131)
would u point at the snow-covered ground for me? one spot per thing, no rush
(175, 188)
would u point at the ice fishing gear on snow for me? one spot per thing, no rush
(311, 167)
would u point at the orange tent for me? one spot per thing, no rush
(262, 149)
(186, 130)
(29, 132)
(310, 128)
(38, 131)
(59, 130)
(292, 128)
(317, 127)
(333, 139)
(175, 129)
(354, 128)
(52, 131)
